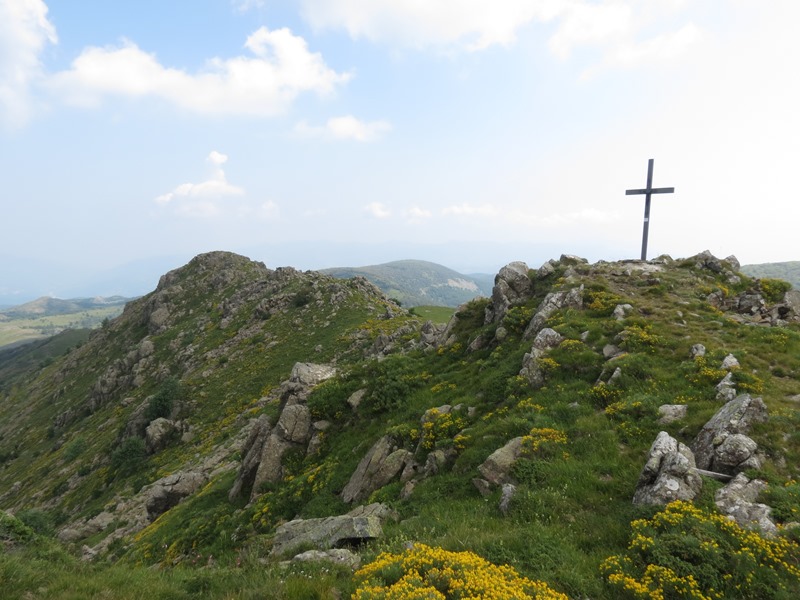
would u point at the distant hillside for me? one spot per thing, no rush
(420, 283)
(788, 271)
(46, 316)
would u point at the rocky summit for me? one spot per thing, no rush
(606, 430)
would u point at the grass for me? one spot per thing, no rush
(437, 314)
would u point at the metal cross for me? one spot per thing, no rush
(647, 191)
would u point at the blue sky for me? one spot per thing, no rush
(320, 133)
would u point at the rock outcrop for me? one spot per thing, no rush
(359, 525)
(545, 340)
(512, 285)
(266, 446)
(382, 463)
(722, 445)
(554, 301)
(668, 474)
(738, 500)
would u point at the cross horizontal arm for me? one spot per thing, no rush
(651, 191)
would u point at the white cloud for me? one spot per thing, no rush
(346, 128)
(264, 84)
(268, 211)
(243, 6)
(470, 210)
(24, 33)
(611, 25)
(378, 210)
(416, 214)
(197, 199)
(473, 24)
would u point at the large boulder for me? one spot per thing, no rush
(158, 434)
(382, 463)
(168, 491)
(712, 449)
(359, 525)
(512, 285)
(310, 374)
(738, 500)
(497, 468)
(668, 474)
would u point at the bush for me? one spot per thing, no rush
(161, 403)
(686, 552)
(433, 573)
(774, 289)
(128, 456)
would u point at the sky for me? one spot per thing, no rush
(322, 133)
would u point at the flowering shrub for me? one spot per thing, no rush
(541, 439)
(686, 552)
(426, 573)
(439, 426)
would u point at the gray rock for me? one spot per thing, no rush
(545, 340)
(670, 413)
(698, 350)
(512, 285)
(270, 466)
(508, 492)
(497, 468)
(380, 465)
(355, 398)
(668, 474)
(738, 500)
(726, 388)
(251, 450)
(729, 362)
(357, 526)
(294, 424)
(158, 434)
(168, 491)
(337, 556)
(554, 301)
(546, 269)
(621, 311)
(611, 351)
(310, 374)
(736, 417)
(734, 263)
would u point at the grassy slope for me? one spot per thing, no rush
(572, 507)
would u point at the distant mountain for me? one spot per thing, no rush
(788, 271)
(46, 306)
(47, 316)
(420, 283)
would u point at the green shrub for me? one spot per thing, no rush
(686, 552)
(774, 289)
(129, 456)
(162, 402)
(74, 449)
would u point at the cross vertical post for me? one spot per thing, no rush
(648, 191)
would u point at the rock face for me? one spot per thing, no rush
(668, 474)
(738, 500)
(379, 466)
(511, 286)
(360, 524)
(723, 445)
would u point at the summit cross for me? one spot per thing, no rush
(647, 192)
